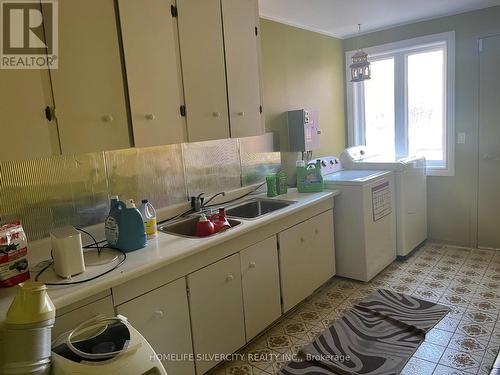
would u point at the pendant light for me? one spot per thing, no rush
(360, 67)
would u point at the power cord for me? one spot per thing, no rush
(94, 246)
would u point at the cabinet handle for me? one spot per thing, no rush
(252, 265)
(158, 314)
(302, 239)
(316, 231)
(107, 118)
(229, 277)
(216, 114)
(150, 116)
(49, 113)
(240, 113)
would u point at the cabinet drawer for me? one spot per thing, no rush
(261, 285)
(216, 310)
(162, 317)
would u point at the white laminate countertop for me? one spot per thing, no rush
(165, 250)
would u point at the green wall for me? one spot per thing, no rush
(452, 201)
(303, 69)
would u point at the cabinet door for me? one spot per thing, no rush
(26, 132)
(307, 258)
(162, 317)
(88, 85)
(261, 285)
(323, 248)
(153, 71)
(216, 310)
(70, 320)
(241, 40)
(204, 76)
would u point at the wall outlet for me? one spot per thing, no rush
(461, 138)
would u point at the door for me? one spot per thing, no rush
(489, 145)
(88, 84)
(241, 40)
(307, 258)
(216, 306)
(153, 71)
(203, 69)
(26, 131)
(162, 317)
(261, 285)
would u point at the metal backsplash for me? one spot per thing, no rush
(75, 190)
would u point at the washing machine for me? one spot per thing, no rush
(411, 192)
(365, 223)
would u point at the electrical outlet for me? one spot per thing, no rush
(461, 138)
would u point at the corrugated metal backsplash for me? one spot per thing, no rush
(75, 190)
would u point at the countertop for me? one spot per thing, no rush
(164, 250)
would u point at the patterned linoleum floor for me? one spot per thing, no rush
(466, 341)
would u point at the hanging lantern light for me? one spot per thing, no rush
(360, 67)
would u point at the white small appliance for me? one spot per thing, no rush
(365, 223)
(411, 192)
(104, 346)
(67, 251)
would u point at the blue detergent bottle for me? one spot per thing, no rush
(124, 226)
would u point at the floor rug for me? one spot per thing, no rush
(376, 337)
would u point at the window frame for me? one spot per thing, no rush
(399, 51)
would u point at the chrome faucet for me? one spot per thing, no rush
(203, 204)
(198, 202)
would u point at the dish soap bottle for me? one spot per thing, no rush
(148, 213)
(111, 224)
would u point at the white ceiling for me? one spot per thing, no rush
(340, 18)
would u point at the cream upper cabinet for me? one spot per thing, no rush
(151, 50)
(25, 129)
(241, 40)
(204, 76)
(215, 301)
(88, 86)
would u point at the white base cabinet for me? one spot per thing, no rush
(162, 317)
(307, 258)
(216, 304)
(261, 285)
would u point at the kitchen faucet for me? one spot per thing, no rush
(198, 203)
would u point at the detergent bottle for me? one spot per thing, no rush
(124, 227)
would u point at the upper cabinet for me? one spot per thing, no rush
(153, 72)
(88, 85)
(242, 46)
(204, 75)
(26, 131)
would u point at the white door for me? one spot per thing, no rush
(154, 80)
(307, 258)
(261, 285)
(203, 69)
(88, 84)
(489, 144)
(26, 132)
(162, 317)
(216, 305)
(241, 41)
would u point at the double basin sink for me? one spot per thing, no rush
(250, 209)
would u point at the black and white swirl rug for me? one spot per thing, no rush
(376, 337)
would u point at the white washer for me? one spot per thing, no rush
(411, 192)
(365, 223)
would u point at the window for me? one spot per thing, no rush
(407, 107)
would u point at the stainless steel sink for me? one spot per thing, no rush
(257, 207)
(187, 227)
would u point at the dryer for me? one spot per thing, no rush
(365, 224)
(410, 188)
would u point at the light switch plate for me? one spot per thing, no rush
(461, 138)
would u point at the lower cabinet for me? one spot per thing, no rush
(216, 303)
(162, 317)
(306, 257)
(260, 285)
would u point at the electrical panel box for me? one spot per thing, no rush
(303, 130)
